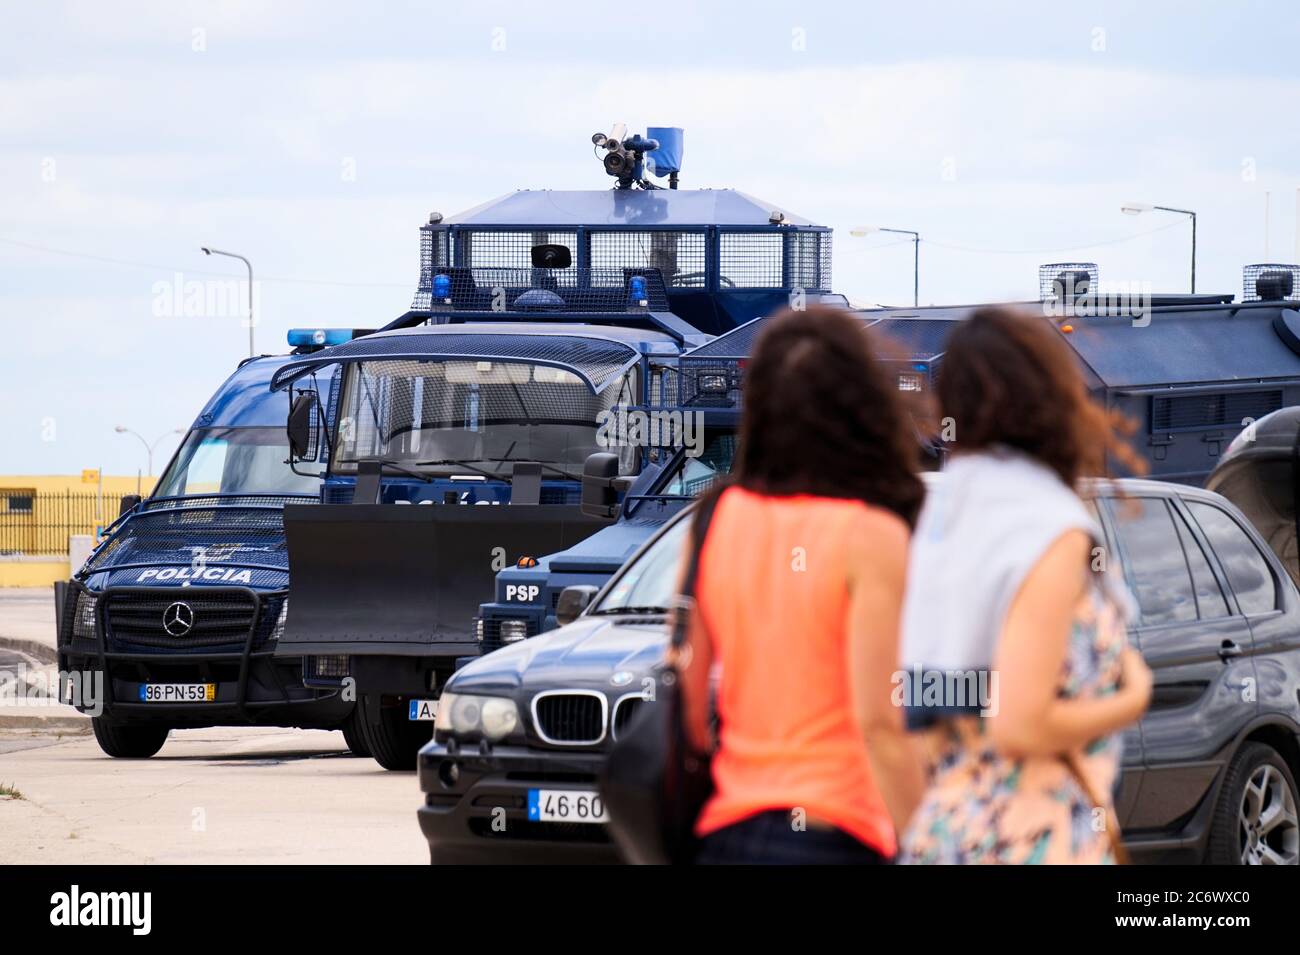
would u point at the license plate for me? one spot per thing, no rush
(178, 692)
(422, 710)
(566, 805)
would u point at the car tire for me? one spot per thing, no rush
(128, 742)
(1254, 821)
(353, 734)
(393, 740)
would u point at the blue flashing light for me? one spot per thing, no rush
(637, 293)
(305, 337)
(920, 366)
(442, 286)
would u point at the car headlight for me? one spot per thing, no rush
(492, 717)
(512, 631)
(83, 621)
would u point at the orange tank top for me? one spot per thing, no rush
(772, 593)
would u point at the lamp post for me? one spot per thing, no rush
(865, 230)
(1137, 208)
(249, 265)
(149, 448)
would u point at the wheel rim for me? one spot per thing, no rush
(1267, 828)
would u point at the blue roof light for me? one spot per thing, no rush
(442, 286)
(300, 337)
(637, 290)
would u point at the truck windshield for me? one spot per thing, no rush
(436, 415)
(234, 461)
(698, 472)
(649, 583)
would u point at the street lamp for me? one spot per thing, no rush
(147, 446)
(235, 255)
(1137, 208)
(865, 230)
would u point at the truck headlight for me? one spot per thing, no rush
(907, 382)
(492, 717)
(512, 631)
(83, 621)
(478, 629)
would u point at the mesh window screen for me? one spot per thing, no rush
(751, 259)
(487, 412)
(513, 250)
(679, 256)
(810, 260)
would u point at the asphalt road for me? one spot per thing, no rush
(210, 797)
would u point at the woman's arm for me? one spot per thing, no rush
(876, 576)
(1030, 718)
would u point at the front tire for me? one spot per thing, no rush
(393, 740)
(128, 742)
(354, 735)
(1255, 821)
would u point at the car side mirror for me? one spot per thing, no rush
(301, 427)
(599, 491)
(128, 502)
(573, 601)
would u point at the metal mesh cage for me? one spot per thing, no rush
(751, 260)
(809, 260)
(200, 538)
(1066, 279)
(433, 256)
(921, 339)
(421, 412)
(679, 256)
(1271, 281)
(498, 249)
(600, 361)
(531, 291)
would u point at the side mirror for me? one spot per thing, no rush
(573, 601)
(301, 427)
(128, 501)
(599, 493)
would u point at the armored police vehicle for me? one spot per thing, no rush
(545, 371)
(181, 603)
(1191, 370)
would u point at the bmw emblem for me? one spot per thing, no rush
(178, 619)
(621, 678)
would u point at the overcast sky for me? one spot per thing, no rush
(316, 137)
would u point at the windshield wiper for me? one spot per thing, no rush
(632, 611)
(452, 463)
(547, 465)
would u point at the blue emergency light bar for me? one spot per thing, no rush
(318, 337)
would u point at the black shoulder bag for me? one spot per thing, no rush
(655, 783)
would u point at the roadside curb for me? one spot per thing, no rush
(68, 725)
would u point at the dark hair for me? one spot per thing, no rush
(824, 417)
(1008, 378)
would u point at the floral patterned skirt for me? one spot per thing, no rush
(983, 808)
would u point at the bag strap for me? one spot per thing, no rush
(685, 600)
(1117, 848)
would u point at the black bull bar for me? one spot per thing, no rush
(407, 580)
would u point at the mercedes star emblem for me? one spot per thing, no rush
(178, 619)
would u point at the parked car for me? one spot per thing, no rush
(1209, 773)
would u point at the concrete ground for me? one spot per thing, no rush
(210, 797)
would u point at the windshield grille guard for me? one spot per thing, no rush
(598, 362)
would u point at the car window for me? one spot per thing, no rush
(1154, 557)
(1210, 600)
(1248, 572)
(650, 581)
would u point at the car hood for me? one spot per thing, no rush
(586, 653)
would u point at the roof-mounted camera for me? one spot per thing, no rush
(627, 158)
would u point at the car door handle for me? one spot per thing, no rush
(1229, 649)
